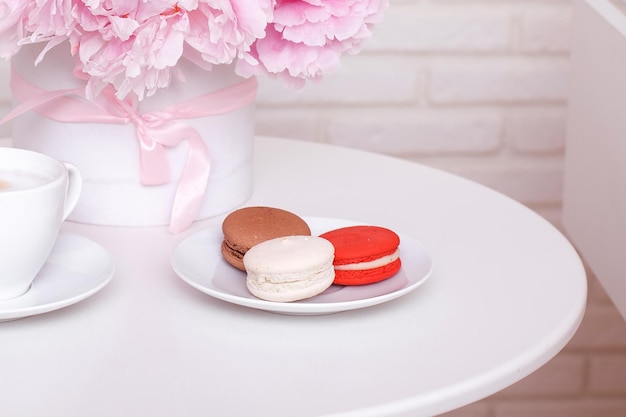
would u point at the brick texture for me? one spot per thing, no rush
(540, 130)
(562, 408)
(491, 80)
(478, 88)
(564, 376)
(414, 28)
(607, 375)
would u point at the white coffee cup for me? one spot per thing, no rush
(37, 193)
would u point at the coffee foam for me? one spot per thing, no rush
(11, 180)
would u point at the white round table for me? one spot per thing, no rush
(506, 294)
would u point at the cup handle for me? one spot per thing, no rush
(74, 188)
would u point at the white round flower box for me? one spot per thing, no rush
(108, 155)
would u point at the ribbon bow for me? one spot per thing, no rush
(154, 130)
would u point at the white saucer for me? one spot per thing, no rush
(76, 269)
(198, 261)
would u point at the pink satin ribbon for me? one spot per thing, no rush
(155, 130)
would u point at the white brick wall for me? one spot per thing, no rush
(478, 88)
(509, 80)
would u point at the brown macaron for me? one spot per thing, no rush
(249, 226)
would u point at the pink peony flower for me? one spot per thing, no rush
(222, 34)
(13, 25)
(138, 50)
(52, 18)
(133, 56)
(307, 37)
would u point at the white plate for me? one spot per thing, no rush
(76, 269)
(198, 261)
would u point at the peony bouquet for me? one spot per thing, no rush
(123, 51)
(134, 45)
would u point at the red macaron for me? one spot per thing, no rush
(364, 254)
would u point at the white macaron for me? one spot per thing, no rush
(289, 268)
